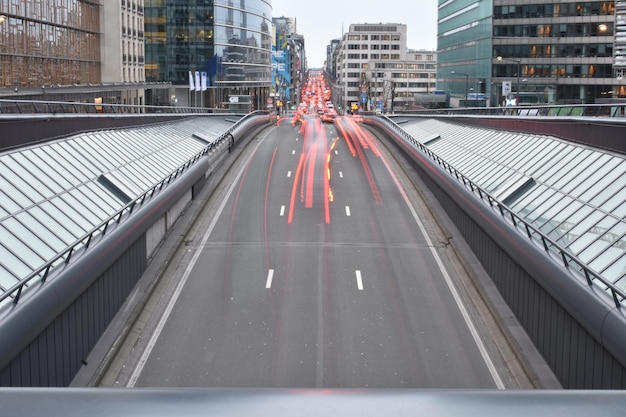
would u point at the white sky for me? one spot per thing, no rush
(321, 21)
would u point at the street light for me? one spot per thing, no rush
(519, 61)
(466, 83)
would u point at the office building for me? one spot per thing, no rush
(227, 40)
(556, 52)
(376, 70)
(49, 43)
(74, 50)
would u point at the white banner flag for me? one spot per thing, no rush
(203, 81)
(191, 87)
(198, 81)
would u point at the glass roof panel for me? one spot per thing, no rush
(73, 204)
(55, 227)
(28, 237)
(14, 194)
(55, 162)
(70, 164)
(542, 204)
(20, 250)
(612, 245)
(23, 184)
(571, 173)
(8, 205)
(60, 218)
(75, 158)
(104, 199)
(51, 187)
(77, 214)
(7, 277)
(526, 204)
(613, 185)
(577, 224)
(615, 270)
(557, 167)
(50, 237)
(597, 231)
(593, 173)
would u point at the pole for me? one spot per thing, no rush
(466, 83)
(519, 61)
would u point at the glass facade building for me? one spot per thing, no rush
(537, 52)
(229, 40)
(45, 42)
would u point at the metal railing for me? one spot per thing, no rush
(83, 243)
(568, 260)
(53, 107)
(616, 110)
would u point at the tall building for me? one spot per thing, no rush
(88, 51)
(123, 41)
(331, 58)
(122, 46)
(49, 43)
(536, 52)
(227, 40)
(288, 63)
(375, 69)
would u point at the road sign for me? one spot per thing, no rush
(363, 98)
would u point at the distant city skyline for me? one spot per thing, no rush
(323, 20)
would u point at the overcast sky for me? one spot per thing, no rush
(321, 21)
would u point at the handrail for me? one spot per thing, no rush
(121, 215)
(54, 107)
(615, 110)
(568, 260)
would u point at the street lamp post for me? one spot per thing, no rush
(466, 83)
(519, 62)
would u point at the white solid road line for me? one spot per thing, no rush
(170, 306)
(270, 276)
(359, 280)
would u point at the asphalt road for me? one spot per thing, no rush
(312, 269)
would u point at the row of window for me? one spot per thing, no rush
(356, 92)
(555, 71)
(71, 13)
(41, 39)
(583, 8)
(555, 51)
(374, 47)
(394, 75)
(369, 57)
(21, 71)
(555, 30)
(392, 37)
